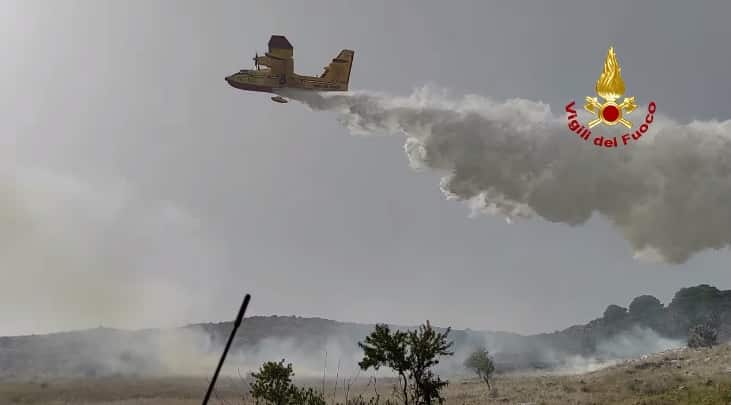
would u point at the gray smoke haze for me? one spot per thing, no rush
(631, 344)
(668, 194)
(192, 351)
(95, 253)
(186, 351)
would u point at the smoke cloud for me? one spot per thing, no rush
(77, 254)
(668, 193)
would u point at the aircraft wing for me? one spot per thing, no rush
(279, 57)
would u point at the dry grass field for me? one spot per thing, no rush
(675, 377)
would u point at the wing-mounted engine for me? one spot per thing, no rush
(280, 56)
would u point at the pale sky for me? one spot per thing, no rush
(141, 190)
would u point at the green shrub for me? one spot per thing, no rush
(481, 364)
(273, 385)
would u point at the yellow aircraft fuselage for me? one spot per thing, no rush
(279, 72)
(266, 81)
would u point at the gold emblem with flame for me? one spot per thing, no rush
(610, 87)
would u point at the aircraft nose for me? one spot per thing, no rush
(230, 80)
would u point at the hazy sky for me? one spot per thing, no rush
(139, 189)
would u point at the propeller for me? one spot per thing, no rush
(256, 61)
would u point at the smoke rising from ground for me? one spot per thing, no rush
(633, 343)
(668, 194)
(192, 351)
(187, 351)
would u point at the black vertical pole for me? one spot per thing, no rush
(237, 323)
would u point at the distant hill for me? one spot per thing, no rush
(645, 326)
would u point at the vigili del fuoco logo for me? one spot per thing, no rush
(608, 109)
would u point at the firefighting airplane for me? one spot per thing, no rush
(279, 72)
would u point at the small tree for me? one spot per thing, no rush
(383, 348)
(426, 344)
(614, 313)
(481, 364)
(645, 306)
(411, 355)
(705, 334)
(702, 335)
(273, 385)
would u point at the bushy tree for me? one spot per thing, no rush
(614, 313)
(705, 334)
(695, 304)
(645, 306)
(481, 364)
(273, 385)
(702, 335)
(411, 355)
(383, 348)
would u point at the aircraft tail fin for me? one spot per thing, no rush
(339, 69)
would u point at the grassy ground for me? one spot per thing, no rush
(674, 377)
